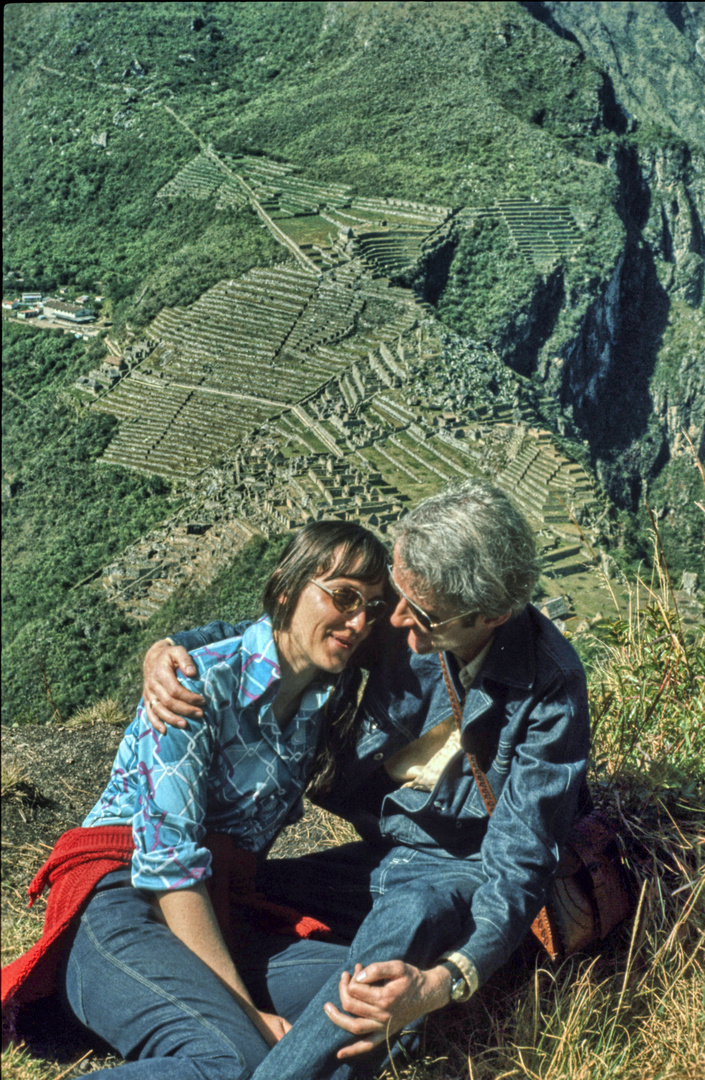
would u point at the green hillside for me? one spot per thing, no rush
(495, 111)
(398, 101)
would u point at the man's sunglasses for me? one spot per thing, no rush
(348, 601)
(423, 618)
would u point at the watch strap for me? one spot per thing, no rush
(460, 989)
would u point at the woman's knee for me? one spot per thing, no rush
(215, 1066)
(148, 1002)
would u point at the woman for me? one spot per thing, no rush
(150, 970)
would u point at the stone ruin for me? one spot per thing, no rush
(320, 387)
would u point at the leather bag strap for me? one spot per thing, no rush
(541, 926)
(480, 779)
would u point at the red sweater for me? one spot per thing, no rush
(80, 858)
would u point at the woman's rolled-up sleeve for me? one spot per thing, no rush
(169, 818)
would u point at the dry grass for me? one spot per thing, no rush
(107, 711)
(18, 1064)
(21, 926)
(633, 1011)
(15, 784)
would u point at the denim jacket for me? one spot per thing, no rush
(526, 719)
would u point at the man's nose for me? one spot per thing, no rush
(402, 614)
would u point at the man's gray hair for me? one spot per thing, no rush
(471, 547)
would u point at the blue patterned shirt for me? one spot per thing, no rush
(235, 771)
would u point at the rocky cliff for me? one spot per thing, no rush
(625, 355)
(654, 54)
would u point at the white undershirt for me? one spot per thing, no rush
(420, 764)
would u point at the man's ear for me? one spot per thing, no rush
(498, 620)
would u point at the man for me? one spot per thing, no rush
(438, 894)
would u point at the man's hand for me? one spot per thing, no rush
(381, 999)
(166, 701)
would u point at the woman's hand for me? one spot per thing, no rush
(381, 999)
(166, 701)
(272, 1027)
(190, 916)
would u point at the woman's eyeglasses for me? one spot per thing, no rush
(423, 618)
(348, 601)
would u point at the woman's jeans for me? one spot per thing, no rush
(132, 982)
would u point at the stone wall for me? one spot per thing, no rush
(294, 393)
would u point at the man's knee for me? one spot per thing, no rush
(415, 922)
(419, 900)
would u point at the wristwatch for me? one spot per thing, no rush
(459, 986)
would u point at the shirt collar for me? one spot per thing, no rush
(468, 673)
(259, 663)
(260, 674)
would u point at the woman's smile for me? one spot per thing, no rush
(322, 637)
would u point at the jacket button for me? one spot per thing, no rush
(378, 757)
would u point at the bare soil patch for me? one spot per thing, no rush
(65, 770)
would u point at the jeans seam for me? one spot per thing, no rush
(301, 963)
(381, 888)
(131, 973)
(75, 967)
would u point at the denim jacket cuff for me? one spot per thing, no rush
(466, 967)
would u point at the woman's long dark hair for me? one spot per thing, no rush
(348, 550)
(321, 546)
(338, 731)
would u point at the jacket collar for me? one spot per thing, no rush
(511, 659)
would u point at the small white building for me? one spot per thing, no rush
(60, 309)
(31, 297)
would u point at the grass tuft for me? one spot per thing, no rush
(19, 1064)
(107, 711)
(15, 785)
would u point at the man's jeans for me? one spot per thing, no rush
(136, 985)
(415, 906)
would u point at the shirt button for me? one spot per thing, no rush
(378, 757)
